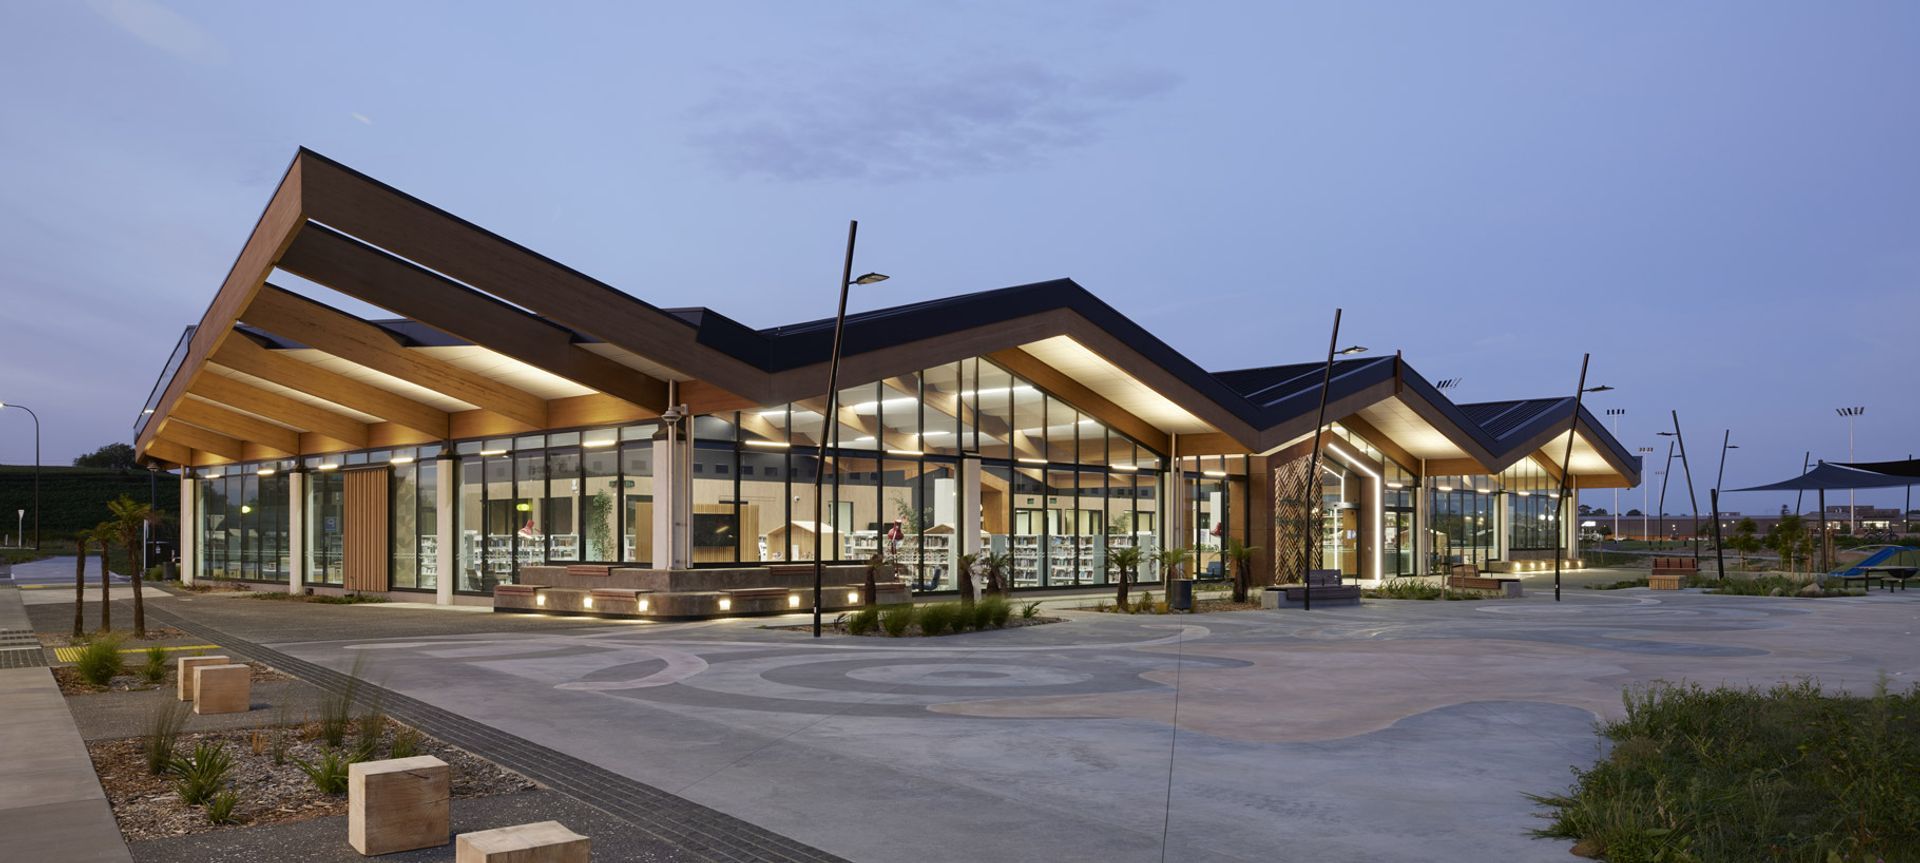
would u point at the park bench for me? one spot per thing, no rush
(1466, 576)
(1665, 582)
(1676, 566)
(588, 569)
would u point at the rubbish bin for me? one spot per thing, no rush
(1180, 594)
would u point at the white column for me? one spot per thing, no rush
(1422, 518)
(1502, 524)
(672, 492)
(445, 554)
(968, 524)
(1572, 527)
(297, 532)
(189, 524)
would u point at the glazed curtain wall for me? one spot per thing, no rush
(1532, 496)
(566, 497)
(243, 523)
(1058, 488)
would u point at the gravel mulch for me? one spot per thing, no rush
(147, 806)
(70, 683)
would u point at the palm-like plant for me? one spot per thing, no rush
(998, 565)
(1239, 555)
(963, 574)
(102, 535)
(1169, 561)
(1124, 562)
(877, 564)
(130, 519)
(80, 541)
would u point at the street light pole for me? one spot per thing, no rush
(1566, 470)
(1850, 414)
(1644, 452)
(830, 424)
(1719, 555)
(1686, 470)
(1665, 475)
(36, 473)
(1615, 414)
(1311, 494)
(1799, 497)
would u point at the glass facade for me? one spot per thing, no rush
(1461, 520)
(243, 523)
(1531, 496)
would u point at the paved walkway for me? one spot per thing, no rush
(51, 804)
(1393, 731)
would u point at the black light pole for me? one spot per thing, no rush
(1799, 497)
(1667, 473)
(1311, 530)
(1906, 516)
(36, 474)
(1720, 556)
(1686, 469)
(830, 423)
(1566, 470)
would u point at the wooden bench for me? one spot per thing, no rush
(1676, 566)
(544, 842)
(1665, 582)
(1466, 576)
(588, 569)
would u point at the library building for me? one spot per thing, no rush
(516, 433)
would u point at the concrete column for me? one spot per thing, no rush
(297, 532)
(1502, 525)
(1174, 532)
(446, 539)
(1422, 517)
(672, 496)
(968, 524)
(189, 525)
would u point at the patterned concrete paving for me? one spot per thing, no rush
(1391, 731)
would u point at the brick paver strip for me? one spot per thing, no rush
(695, 828)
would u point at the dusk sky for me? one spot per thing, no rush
(1721, 201)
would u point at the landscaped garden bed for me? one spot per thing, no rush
(64, 639)
(73, 679)
(1787, 774)
(265, 777)
(933, 619)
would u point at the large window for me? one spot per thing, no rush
(1462, 520)
(243, 522)
(414, 486)
(1058, 488)
(1532, 515)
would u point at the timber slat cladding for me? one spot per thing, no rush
(365, 529)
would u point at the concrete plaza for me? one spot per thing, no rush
(1396, 730)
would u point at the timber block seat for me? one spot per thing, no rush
(1503, 586)
(790, 570)
(1676, 566)
(1295, 595)
(1664, 582)
(587, 569)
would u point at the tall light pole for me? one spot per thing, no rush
(1666, 474)
(1686, 469)
(1566, 470)
(830, 428)
(1615, 414)
(1851, 414)
(1719, 556)
(1799, 497)
(36, 473)
(1311, 496)
(1644, 452)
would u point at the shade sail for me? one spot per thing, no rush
(1909, 468)
(1833, 476)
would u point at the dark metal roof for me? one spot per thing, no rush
(1500, 419)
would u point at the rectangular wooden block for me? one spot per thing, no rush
(400, 804)
(222, 688)
(1663, 582)
(543, 842)
(185, 667)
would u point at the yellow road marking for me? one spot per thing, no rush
(72, 654)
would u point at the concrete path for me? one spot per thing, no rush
(51, 803)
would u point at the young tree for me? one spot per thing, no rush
(130, 519)
(998, 566)
(1123, 562)
(113, 455)
(1239, 555)
(1745, 540)
(80, 541)
(102, 535)
(1169, 561)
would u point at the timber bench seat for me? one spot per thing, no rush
(588, 569)
(1676, 566)
(1503, 586)
(1665, 582)
(1295, 595)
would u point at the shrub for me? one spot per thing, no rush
(348, 599)
(99, 661)
(864, 621)
(991, 612)
(1030, 611)
(894, 620)
(372, 724)
(938, 618)
(1144, 605)
(201, 774)
(1619, 585)
(163, 733)
(329, 776)
(336, 711)
(220, 808)
(154, 670)
(1784, 774)
(406, 743)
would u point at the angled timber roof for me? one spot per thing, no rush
(493, 338)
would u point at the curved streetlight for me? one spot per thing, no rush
(1566, 470)
(831, 423)
(1719, 554)
(36, 472)
(1309, 532)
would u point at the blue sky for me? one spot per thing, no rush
(1720, 201)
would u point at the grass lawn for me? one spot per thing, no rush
(1785, 774)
